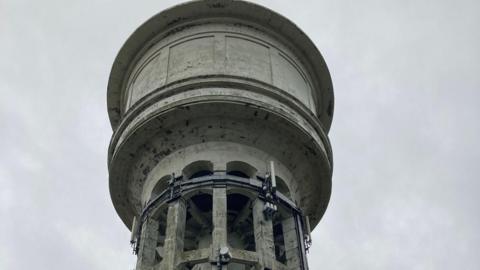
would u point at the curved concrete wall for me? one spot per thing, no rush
(219, 50)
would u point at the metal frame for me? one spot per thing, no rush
(179, 187)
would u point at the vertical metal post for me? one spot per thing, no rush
(303, 250)
(272, 177)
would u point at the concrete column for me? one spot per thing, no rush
(292, 247)
(174, 234)
(219, 216)
(148, 243)
(263, 230)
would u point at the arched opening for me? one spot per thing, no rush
(279, 239)
(160, 215)
(198, 227)
(282, 187)
(240, 222)
(241, 169)
(238, 173)
(198, 169)
(160, 186)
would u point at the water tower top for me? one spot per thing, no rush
(251, 15)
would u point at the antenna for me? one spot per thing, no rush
(272, 177)
(134, 235)
(308, 235)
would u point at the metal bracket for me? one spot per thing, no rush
(175, 190)
(180, 186)
(223, 257)
(135, 237)
(301, 240)
(269, 188)
(307, 234)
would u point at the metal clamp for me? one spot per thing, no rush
(269, 188)
(223, 257)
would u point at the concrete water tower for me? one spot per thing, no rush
(219, 156)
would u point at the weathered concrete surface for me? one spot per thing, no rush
(174, 236)
(291, 243)
(148, 244)
(219, 234)
(219, 86)
(256, 23)
(263, 228)
(219, 71)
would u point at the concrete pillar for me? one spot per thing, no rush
(219, 216)
(292, 247)
(148, 244)
(174, 234)
(263, 230)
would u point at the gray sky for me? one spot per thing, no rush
(406, 77)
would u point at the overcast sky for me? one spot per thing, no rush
(405, 133)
